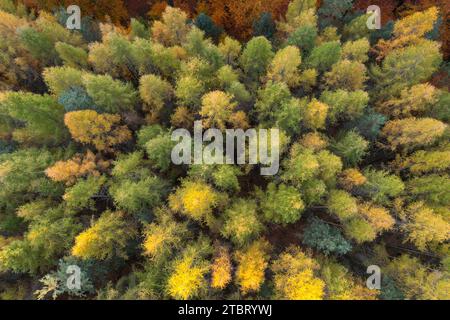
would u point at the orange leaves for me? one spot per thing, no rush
(221, 269)
(101, 130)
(69, 171)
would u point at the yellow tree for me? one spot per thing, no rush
(196, 200)
(172, 30)
(285, 66)
(217, 109)
(252, 263)
(424, 227)
(106, 238)
(294, 276)
(411, 132)
(101, 130)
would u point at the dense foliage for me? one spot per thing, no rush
(86, 176)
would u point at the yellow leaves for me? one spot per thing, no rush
(313, 141)
(408, 31)
(378, 217)
(411, 132)
(285, 66)
(424, 226)
(187, 279)
(84, 242)
(252, 263)
(182, 118)
(294, 276)
(69, 171)
(316, 114)
(101, 130)
(351, 178)
(221, 269)
(417, 24)
(106, 238)
(195, 199)
(411, 101)
(303, 286)
(172, 30)
(217, 109)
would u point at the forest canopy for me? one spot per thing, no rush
(87, 180)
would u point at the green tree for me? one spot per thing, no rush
(281, 204)
(325, 238)
(256, 57)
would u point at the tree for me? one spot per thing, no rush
(221, 269)
(172, 30)
(230, 50)
(359, 230)
(252, 263)
(345, 104)
(163, 235)
(408, 31)
(206, 24)
(256, 57)
(346, 75)
(77, 167)
(196, 200)
(396, 74)
(189, 91)
(138, 197)
(410, 133)
(380, 185)
(79, 196)
(40, 116)
(23, 178)
(378, 217)
(325, 238)
(294, 276)
(264, 26)
(76, 98)
(61, 79)
(108, 94)
(107, 237)
(342, 204)
(333, 12)
(324, 56)
(425, 227)
(416, 280)
(351, 147)
(45, 241)
(315, 114)
(187, 279)
(302, 165)
(356, 50)
(427, 161)
(241, 222)
(285, 66)
(281, 204)
(155, 92)
(217, 109)
(431, 188)
(304, 38)
(412, 101)
(101, 130)
(72, 56)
